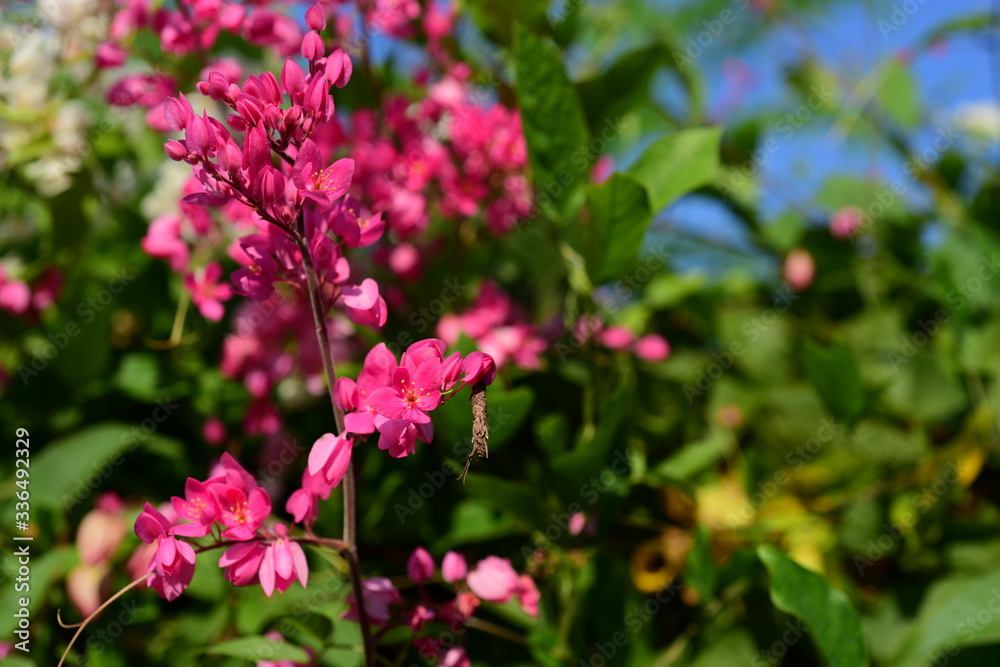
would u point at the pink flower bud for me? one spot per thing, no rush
(799, 269)
(420, 566)
(339, 68)
(313, 47)
(109, 55)
(453, 567)
(316, 18)
(652, 348)
(100, 534)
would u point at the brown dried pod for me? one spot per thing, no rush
(480, 427)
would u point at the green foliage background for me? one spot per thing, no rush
(821, 457)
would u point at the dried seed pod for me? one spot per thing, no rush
(480, 427)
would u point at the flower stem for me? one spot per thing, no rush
(350, 506)
(81, 626)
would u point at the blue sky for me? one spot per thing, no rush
(849, 37)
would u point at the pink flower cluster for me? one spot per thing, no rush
(394, 398)
(19, 298)
(299, 204)
(193, 26)
(98, 538)
(652, 348)
(498, 327)
(493, 580)
(272, 340)
(231, 504)
(469, 156)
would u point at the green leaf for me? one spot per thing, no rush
(898, 95)
(955, 612)
(555, 127)
(619, 217)
(519, 499)
(677, 164)
(834, 624)
(700, 572)
(259, 648)
(835, 374)
(66, 471)
(692, 459)
(619, 88)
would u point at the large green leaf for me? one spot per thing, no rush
(955, 613)
(834, 625)
(554, 124)
(259, 648)
(835, 374)
(678, 163)
(619, 217)
(619, 88)
(69, 470)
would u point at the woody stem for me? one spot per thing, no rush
(350, 505)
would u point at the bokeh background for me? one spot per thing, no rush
(747, 410)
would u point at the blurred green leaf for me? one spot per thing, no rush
(678, 163)
(834, 372)
(619, 217)
(834, 625)
(256, 649)
(555, 127)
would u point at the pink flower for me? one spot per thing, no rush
(214, 431)
(283, 562)
(453, 567)
(324, 185)
(242, 562)
(455, 657)
(163, 241)
(100, 534)
(331, 457)
(207, 293)
(172, 565)
(617, 337)
(198, 506)
(494, 579)
(363, 304)
(109, 54)
(652, 348)
(410, 398)
(15, 296)
(380, 595)
(420, 566)
(845, 222)
(241, 513)
(799, 269)
(528, 595)
(83, 586)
